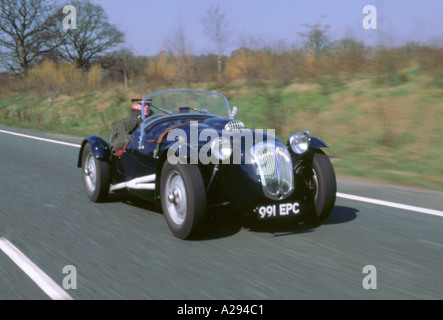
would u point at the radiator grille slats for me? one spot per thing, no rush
(274, 166)
(234, 125)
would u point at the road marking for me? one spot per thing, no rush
(431, 243)
(390, 204)
(41, 139)
(339, 194)
(52, 289)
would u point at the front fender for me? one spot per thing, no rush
(317, 143)
(99, 147)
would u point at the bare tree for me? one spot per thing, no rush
(316, 38)
(216, 28)
(121, 61)
(28, 30)
(94, 35)
(179, 47)
(178, 41)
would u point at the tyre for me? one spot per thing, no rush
(96, 176)
(183, 199)
(322, 186)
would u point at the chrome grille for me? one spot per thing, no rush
(274, 166)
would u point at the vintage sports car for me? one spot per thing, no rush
(190, 154)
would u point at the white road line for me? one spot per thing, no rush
(40, 139)
(390, 204)
(52, 289)
(431, 243)
(339, 195)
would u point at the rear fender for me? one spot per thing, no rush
(99, 147)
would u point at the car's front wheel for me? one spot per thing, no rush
(183, 199)
(322, 187)
(96, 176)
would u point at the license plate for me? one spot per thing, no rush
(278, 210)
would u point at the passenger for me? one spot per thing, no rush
(125, 127)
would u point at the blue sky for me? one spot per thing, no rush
(147, 23)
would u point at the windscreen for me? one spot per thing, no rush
(189, 101)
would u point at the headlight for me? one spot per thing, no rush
(221, 148)
(299, 142)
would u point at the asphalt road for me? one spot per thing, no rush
(123, 250)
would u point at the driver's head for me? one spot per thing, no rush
(136, 109)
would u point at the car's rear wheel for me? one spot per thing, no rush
(96, 176)
(322, 186)
(183, 199)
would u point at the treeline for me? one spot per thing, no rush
(339, 61)
(38, 54)
(280, 65)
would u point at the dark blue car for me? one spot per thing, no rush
(190, 154)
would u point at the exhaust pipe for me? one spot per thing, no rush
(142, 183)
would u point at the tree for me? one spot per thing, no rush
(179, 48)
(92, 38)
(317, 41)
(28, 30)
(121, 61)
(349, 55)
(161, 68)
(216, 29)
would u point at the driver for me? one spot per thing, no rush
(126, 126)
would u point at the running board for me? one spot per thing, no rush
(142, 183)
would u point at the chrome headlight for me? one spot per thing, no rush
(299, 142)
(221, 148)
